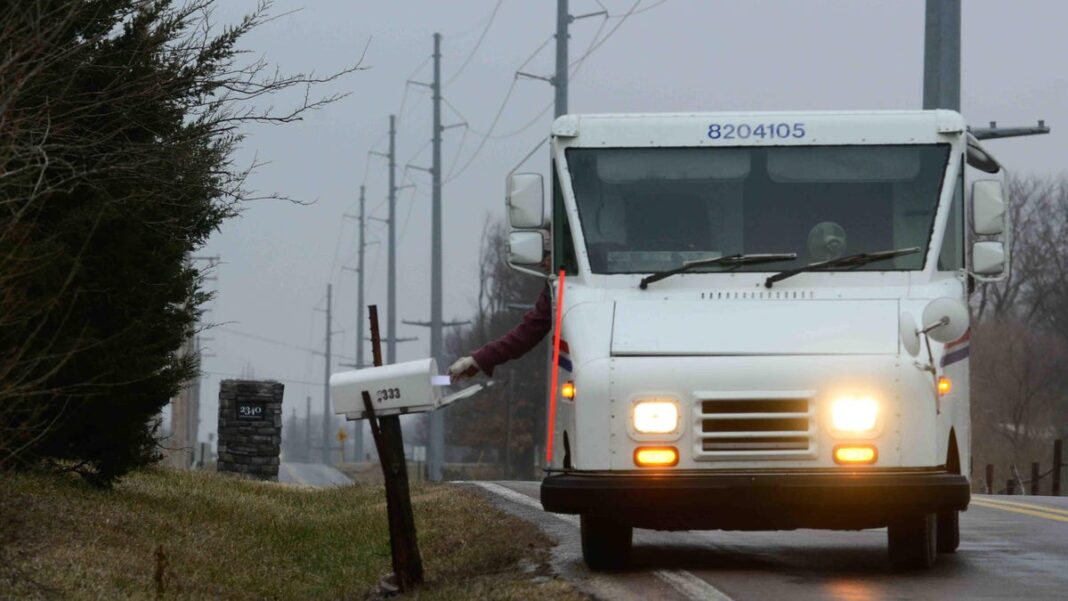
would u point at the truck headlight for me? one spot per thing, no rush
(656, 417)
(854, 414)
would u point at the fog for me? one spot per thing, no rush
(677, 55)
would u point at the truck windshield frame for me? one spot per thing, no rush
(643, 210)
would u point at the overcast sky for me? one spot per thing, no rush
(675, 55)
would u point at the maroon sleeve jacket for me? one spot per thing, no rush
(536, 323)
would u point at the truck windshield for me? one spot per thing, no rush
(650, 209)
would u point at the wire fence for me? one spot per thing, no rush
(1036, 484)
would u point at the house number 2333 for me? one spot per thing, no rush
(388, 394)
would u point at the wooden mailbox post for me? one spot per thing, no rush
(407, 563)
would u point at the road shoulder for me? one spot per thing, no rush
(520, 499)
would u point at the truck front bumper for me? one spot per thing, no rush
(757, 500)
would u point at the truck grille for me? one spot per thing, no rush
(751, 428)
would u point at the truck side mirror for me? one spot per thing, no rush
(988, 208)
(945, 319)
(525, 248)
(526, 201)
(990, 219)
(988, 258)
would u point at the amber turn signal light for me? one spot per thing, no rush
(855, 454)
(656, 456)
(568, 390)
(944, 385)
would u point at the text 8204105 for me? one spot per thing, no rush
(764, 131)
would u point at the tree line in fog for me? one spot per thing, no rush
(1019, 356)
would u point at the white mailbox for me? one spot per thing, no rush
(395, 389)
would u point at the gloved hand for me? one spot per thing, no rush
(464, 367)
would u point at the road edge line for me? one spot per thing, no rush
(691, 586)
(683, 582)
(293, 474)
(521, 499)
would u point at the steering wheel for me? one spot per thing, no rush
(826, 241)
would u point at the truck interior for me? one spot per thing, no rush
(645, 210)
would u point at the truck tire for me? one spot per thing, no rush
(605, 543)
(913, 542)
(948, 531)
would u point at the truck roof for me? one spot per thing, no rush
(771, 128)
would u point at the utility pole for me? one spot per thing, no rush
(563, 20)
(559, 80)
(437, 418)
(307, 429)
(941, 55)
(941, 69)
(436, 448)
(360, 271)
(357, 434)
(391, 260)
(326, 378)
(391, 284)
(359, 283)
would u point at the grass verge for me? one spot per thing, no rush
(191, 535)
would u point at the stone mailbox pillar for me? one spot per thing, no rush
(250, 428)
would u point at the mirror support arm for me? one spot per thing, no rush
(931, 364)
(527, 270)
(937, 324)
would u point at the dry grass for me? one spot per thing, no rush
(234, 539)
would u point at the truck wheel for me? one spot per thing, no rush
(912, 541)
(948, 531)
(605, 543)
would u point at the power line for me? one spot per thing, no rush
(463, 137)
(341, 226)
(527, 125)
(411, 204)
(408, 86)
(273, 341)
(459, 152)
(529, 154)
(401, 111)
(337, 250)
(367, 160)
(638, 12)
(477, 45)
(623, 19)
(405, 177)
(577, 64)
(223, 374)
(486, 137)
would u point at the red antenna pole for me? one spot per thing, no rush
(553, 367)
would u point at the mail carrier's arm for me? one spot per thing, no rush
(535, 325)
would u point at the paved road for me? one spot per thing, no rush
(1011, 548)
(311, 474)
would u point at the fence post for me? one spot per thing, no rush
(1034, 478)
(990, 478)
(1057, 444)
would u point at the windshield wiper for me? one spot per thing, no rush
(848, 261)
(731, 260)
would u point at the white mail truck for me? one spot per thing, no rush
(764, 321)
